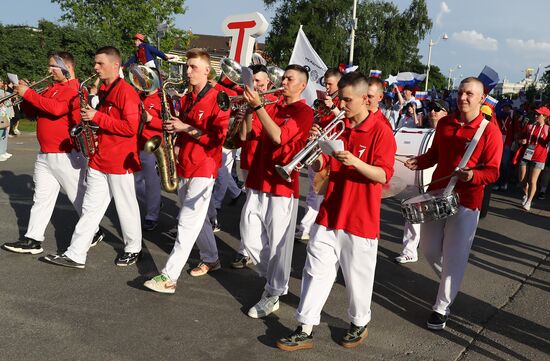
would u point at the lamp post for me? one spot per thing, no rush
(430, 45)
(451, 76)
(352, 35)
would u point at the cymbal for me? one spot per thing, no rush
(395, 186)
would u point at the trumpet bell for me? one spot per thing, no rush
(275, 75)
(143, 78)
(231, 70)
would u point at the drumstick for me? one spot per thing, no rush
(451, 175)
(402, 155)
(400, 160)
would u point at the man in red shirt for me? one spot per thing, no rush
(266, 219)
(446, 243)
(111, 169)
(510, 129)
(58, 165)
(148, 180)
(202, 130)
(347, 228)
(330, 106)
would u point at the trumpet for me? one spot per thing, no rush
(312, 150)
(14, 94)
(225, 101)
(275, 75)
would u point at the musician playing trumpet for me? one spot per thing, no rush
(58, 165)
(347, 228)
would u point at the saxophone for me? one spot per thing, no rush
(163, 147)
(84, 133)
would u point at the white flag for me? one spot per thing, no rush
(304, 54)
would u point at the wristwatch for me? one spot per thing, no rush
(258, 107)
(333, 106)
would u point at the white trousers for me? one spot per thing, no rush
(411, 239)
(101, 188)
(225, 181)
(313, 202)
(148, 186)
(52, 172)
(327, 250)
(267, 232)
(446, 245)
(193, 225)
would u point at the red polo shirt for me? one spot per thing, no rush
(531, 133)
(57, 109)
(295, 121)
(152, 105)
(449, 145)
(509, 128)
(118, 121)
(352, 202)
(203, 156)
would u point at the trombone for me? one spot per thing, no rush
(312, 150)
(225, 101)
(8, 97)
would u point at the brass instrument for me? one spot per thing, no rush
(14, 94)
(84, 133)
(235, 102)
(19, 100)
(320, 109)
(312, 150)
(163, 147)
(275, 75)
(231, 70)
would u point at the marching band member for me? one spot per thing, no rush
(148, 180)
(347, 228)
(446, 243)
(202, 130)
(58, 165)
(266, 230)
(111, 169)
(313, 200)
(248, 148)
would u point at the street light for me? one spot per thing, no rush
(430, 45)
(451, 75)
(352, 35)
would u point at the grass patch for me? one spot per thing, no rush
(26, 125)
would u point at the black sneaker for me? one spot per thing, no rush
(236, 199)
(355, 336)
(542, 195)
(127, 259)
(149, 225)
(27, 246)
(62, 260)
(98, 237)
(297, 340)
(240, 261)
(436, 321)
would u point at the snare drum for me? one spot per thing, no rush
(412, 142)
(430, 206)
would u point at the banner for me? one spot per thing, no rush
(406, 78)
(376, 73)
(304, 54)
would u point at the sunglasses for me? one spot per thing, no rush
(436, 109)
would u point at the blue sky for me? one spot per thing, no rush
(508, 36)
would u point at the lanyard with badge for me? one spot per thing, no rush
(505, 128)
(530, 150)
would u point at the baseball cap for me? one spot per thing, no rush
(543, 111)
(139, 36)
(441, 104)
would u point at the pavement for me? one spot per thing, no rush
(104, 313)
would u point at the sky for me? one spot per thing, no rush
(509, 36)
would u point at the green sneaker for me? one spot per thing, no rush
(355, 336)
(297, 340)
(161, 283)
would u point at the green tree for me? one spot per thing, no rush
(545, 79)
(114, 22)
(386, 38)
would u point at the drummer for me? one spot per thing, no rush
(446, 243)
(437, 109)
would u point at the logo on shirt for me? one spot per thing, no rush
(201, 113)
(362, 150)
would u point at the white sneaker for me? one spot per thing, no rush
(3, 157)
(527, 206)
(16, 132)
(301, 236)
(524, 200)
(266, 305)
(404, 258)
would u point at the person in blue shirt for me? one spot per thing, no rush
(146, 53)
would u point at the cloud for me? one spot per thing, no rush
(443, 9)
(477, 40)
(528, 45)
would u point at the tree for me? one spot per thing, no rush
(545, 79)
(114, 22)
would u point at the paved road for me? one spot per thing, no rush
(103, 312)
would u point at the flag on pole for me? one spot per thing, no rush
(489, 78)
(304, 54)
(491, 102)
(421, 95)
(376, 73)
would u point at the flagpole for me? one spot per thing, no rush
(352, 35)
